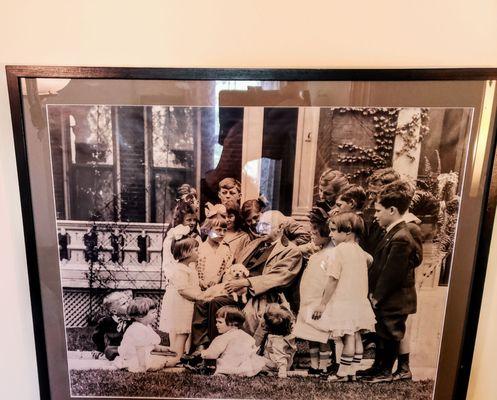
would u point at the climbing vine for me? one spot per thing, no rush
(386, 129)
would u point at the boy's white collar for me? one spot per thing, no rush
(389, 227)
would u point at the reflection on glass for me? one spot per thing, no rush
(173, 137)
(92, 140)
(172, 133)
(426, 146)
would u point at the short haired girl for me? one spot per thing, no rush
(140, 339)
(311, 288)
(344, 310)
(214, 255)
(234, 350)
(182, 291)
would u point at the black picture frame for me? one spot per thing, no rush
(453, 384)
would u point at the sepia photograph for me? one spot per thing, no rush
(259, 252)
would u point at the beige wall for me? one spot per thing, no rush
(483, 384)
(255, 33)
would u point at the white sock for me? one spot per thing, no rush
(356, 362)
(345, 367)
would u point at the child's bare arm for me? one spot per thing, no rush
(159, 347)
(282, 371)
(215, 349)
(331, 285)
(191, 293)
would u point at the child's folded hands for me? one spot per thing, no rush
(318, 311)
(97, 355)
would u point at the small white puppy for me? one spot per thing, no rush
(237, 271)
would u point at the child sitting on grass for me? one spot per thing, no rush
(278, 345)
(110, 329)
(140, 339)
(234, 350)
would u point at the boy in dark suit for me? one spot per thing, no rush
(110, 330)
(391, 277)
(374, 233)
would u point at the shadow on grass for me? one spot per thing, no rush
(80, 338)
(167, 384)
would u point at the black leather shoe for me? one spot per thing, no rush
(330, 370)
(364, 373)
(402, 375)
(191, 360)
(378, 378)
(314, 372)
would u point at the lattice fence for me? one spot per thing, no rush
(80, 308)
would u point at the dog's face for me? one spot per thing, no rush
(238, 271)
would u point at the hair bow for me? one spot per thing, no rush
(213, 210)
(179, 232)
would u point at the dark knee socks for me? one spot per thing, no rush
(391, 352)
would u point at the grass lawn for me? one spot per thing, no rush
(169, 384)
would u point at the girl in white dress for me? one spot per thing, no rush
(214, 255)
(344, 310)
(312, 287)
(182, 291)
(140, 339)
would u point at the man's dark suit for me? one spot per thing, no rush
(108, 335)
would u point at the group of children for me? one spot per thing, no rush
(345, 290)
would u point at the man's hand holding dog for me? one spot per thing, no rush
(236, 284)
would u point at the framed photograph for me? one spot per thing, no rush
(262, 234)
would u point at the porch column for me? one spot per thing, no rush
(253, 124)
(305, 161)
(402, 163)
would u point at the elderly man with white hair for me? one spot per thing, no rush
(273, 262)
